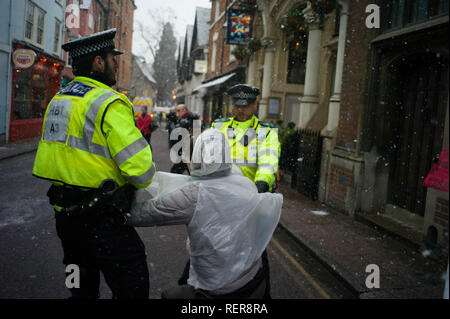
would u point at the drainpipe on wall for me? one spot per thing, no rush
(9, 84)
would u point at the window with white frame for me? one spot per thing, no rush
(91, 21)
(99, 23)
(29, 20)
(34, 24)
(232, 58)
(40, 26)
(214, 51)
(216, 15)
(57, 36)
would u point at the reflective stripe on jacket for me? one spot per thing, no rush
(256, 150)
(89, 135)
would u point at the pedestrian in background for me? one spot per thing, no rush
(170, 125)
(144, 122)
(95, 157)
(185, 120)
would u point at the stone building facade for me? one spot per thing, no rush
(378, 96)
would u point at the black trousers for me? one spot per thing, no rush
(255, 289)
(179, 168)
(107, 246)
(265, 270)
(148, 138)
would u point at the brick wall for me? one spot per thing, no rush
(441, 218)
(339, 181)
(83, 30)
(353, 101)
(121, 17)
(354, 74)
(222, 59)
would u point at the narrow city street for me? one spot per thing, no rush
(31, 252)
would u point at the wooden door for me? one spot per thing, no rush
(417, 108)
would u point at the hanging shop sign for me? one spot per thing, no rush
(240, 26)
(24, 58)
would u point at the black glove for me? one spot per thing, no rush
(262, 187)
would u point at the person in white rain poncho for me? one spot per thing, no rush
(228, 223)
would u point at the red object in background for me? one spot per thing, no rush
(144, 124)
(32, 90)
(437, 178)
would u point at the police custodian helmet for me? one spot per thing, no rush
(101, 41)
(243, 94)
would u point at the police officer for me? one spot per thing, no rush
(254, 144)
(95, 157)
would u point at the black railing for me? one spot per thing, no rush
(301, 154)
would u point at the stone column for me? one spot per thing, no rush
(251, 70)
(310, 99)
(269, 44)
(335, 100)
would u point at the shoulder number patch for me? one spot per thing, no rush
(56, 123)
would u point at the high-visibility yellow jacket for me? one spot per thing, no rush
(89, 136)
(254, 147)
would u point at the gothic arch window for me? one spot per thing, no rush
(295, 29)
(297, 59)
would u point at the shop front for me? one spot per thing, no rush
(36, 79)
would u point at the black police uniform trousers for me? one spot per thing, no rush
(104, 244)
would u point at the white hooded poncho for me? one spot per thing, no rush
(228, 223)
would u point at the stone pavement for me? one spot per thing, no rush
(18, 148)
(344, 246)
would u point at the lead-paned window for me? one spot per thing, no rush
(40, 26)
(29, 20)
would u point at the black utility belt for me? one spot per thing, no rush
(76, 202)
(64, 196)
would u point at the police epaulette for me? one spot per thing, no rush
(266, 124)
(222, 120)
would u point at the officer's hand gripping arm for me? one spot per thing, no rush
(268, 155)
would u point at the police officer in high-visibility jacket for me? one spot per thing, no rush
(95, 157)
(254, 145)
